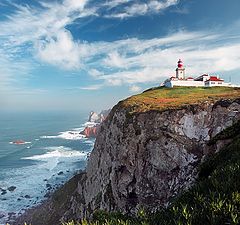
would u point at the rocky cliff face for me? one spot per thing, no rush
(145, 159)
(98, 118)
(91, 132)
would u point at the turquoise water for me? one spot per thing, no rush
(53, 151)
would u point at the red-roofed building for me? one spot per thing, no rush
(205, 80)
(214, 81)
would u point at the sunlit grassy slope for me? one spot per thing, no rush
(162, 98)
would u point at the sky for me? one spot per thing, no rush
(89, 54)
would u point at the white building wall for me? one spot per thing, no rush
(185, 83)
(216, 84)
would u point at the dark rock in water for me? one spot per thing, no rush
(27, 196)
(47, 195)
(60, 173)
(19, 199)
(12, 188)
(11, 215)
(19, 142)
(1, 216)
(45, 180)
(4, 199)
(67, 171)
(48, 185)
(3, 192)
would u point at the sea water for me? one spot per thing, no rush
(53, 151)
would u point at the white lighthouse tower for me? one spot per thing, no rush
(180, 71)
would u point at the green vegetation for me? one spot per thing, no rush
(162, 98)
(213, 200)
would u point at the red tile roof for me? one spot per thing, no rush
(214, 78)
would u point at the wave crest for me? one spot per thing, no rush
(58, 152)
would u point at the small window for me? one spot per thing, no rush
(219, 82)
(212, 82)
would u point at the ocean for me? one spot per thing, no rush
(52, 152)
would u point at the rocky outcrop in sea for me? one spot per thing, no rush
(91, 131)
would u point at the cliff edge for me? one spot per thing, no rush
(149, 148)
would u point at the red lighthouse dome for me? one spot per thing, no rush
(180, 63)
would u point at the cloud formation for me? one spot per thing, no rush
(42, 33)
(42, 30)
(134, 89)
(138, 8)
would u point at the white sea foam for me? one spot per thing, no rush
(58, 152)
(22, 143)
(73, 134)
(89, 142)
(48, 137)
(90, 124)
(67, 135)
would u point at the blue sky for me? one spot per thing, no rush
(75, 54)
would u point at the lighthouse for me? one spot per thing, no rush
(180, 71)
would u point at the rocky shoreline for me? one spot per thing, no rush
(90, 131)
(54, 206)
(13, 217)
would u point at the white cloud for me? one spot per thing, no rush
(134, 61)
(92, 87)
(134, 88)
(45, 29)
(61, 50)
(114, 60)
(111, 4)
(136, 8)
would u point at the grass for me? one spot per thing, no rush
(163, 98)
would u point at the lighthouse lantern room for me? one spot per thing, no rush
(180, 71)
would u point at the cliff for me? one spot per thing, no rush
(149, 148)
(92, 131)
(98, 118)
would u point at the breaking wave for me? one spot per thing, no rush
(58, 152)
(67, 135)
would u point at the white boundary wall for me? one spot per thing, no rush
(190, 83)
